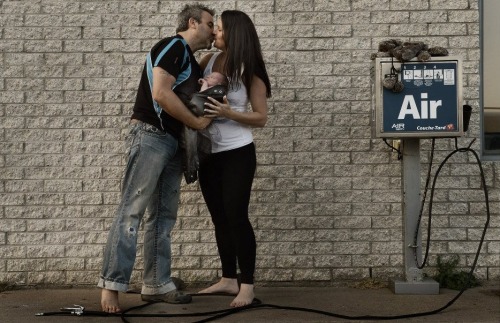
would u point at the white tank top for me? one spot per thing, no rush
(228, 134)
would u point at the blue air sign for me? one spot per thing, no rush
(429, 102)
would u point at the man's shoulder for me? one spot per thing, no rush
(175, 43)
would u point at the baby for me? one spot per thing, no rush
(212, 79)
(196, 144)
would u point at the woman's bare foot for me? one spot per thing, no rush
(109, 301)
(225, 285)
(245, 296)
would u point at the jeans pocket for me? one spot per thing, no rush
(133, 129)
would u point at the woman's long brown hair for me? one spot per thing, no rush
(243, 52)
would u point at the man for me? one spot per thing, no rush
(154, 170)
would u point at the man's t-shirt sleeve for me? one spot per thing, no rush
(173, 58)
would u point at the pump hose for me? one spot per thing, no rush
(485, 190)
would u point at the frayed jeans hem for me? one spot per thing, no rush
(157, 290)
(111, 285)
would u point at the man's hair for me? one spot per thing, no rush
(191, 11)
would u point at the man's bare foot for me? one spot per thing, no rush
(109, 301)
(225, 285)
(245, 296)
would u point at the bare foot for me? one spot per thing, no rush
(109, 301)
(245, 296)
(225, 285)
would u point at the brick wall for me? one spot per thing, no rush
(326, 204)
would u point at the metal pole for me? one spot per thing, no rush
(414, 282)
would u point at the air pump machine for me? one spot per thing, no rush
(428, 104)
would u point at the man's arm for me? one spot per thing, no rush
(170, 102)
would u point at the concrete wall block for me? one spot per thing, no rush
(57, 6)
(199, 249)
(83, 198)
(45, 46)
(60, 264)
(12, 199)
(24, 33)
(352, 248)
(25, 238)
(101, 185)
(45, 96)
(86, 277)
(12, 97)
(315, 222)
(410, 5)
(61, 33)
(82, 251)
(275, 275)
(443, 4)
(332, 5)
(21, 265)
(139, 33)
(186, 263)
(311, 274)
(462, 247)
(334, 209)
(340, 274)
(120, 20)
(386, 248)
(44, 251)
(370, 5)
(314, 248)
(46, 225)
(333, 261)
(59, 238)
(23, 186)
(81, 20)
(97, 7)
(198, 275)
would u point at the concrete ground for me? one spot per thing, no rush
(344, 304)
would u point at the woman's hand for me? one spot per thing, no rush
(255, 118)
(217, 109)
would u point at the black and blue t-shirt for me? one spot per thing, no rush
(174, 56)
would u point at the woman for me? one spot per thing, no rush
(226, 176)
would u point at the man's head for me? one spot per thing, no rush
(196, 25)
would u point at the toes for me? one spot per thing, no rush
(109, 301)
(111, 309)
(240, 303)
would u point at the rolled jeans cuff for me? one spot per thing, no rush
(156, 290)
(111, 285)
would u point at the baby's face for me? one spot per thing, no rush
(214, 79)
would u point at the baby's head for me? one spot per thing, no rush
(216, 78)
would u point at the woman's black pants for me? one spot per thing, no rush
(226, 183)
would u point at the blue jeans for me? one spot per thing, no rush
(152, 180)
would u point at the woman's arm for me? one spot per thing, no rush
(258, 100)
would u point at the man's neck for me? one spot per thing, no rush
(188, 40)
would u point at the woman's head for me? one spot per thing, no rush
(237, 37)
(235, 29)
